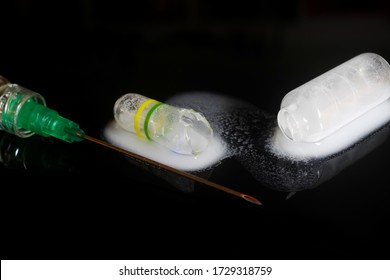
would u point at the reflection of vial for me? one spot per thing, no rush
(184, 131)
(321, 106)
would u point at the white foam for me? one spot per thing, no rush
(336, 142)
(238, 128)
(117, 136)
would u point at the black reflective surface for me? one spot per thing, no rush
(82, 200)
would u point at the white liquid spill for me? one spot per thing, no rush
(239, 124)
(334, 143)
(252, 137)
(117, 136)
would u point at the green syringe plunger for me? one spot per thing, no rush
(24, 113)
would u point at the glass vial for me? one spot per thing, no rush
(323, 105)
(181, 130)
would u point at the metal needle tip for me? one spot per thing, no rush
(251, 199)
(174, 170)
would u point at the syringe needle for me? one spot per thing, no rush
(174, 170)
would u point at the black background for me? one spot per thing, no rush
(82, 201)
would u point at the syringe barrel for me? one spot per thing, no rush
(12, 99)
(323, 105)
(181, 130)
(23, 112)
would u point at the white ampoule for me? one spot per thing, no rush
(325, 104)
(184, 131)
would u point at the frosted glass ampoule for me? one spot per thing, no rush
(182, 130)
(325, 104)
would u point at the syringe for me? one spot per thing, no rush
(24, 113)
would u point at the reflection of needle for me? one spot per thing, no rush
(174, 170)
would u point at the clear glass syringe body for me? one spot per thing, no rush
(24, 113)
(181, 130)
(323, 105)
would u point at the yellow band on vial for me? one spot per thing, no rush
(138, 114)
